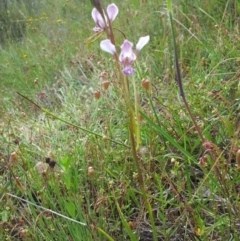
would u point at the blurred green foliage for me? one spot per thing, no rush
(12, 24)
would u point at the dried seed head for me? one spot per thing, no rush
(41, 168)
(103, 75)
(143, 150)
(105, 84)
(173, 160)
(105, 138)
(208, 145)
(23, 233)
(35, 81)
(203, 161)
(16, 140)
(90, 171)
(13, 158)
(131, 225)
(47, 159)
(97, 94)
(146, 84)
(238, 158)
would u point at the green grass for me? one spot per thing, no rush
(93, 192)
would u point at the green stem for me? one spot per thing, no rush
(137, 123)
(105, 234)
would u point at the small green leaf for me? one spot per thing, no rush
(5, 215)
(70, 206)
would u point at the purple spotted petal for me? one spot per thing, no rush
(112, 11)
(107, 46)
(127, 56)
(142, 42)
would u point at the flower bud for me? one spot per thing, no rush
(90, 171)
(203, 161)
(208, 145)
(13, 158)
(105, 138)
(105, 84)
(23, 233)
(35, 81)
(131, 225)
(97, 94)
(146, 84)
(98, 6)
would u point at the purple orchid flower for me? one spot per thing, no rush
(127, 56)
(112, 12)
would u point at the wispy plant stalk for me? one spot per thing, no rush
(178, 72)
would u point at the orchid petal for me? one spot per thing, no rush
(97, 17)
(127, 56)
(107, 46)
(112, 11)
(128, 71)
(142, 42)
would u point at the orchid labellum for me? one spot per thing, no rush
(127, 56)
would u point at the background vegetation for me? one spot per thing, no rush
(58, 156)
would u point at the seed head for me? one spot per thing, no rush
(97, 94)
(90, 171)
(105, 84)
(146, 84)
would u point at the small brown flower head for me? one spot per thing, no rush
(16, 140)
(131, 225)
(97, 94)
(42, 95)
(143, 150)
(47, 159)
(23, 114)
(103, 75)
(35, 81)
(208, 145)
(105, 138)
(203, 161)
(105, 84)
(13, 158)
(90, 171)
(23, 233)
(146, 84)
(173, 161)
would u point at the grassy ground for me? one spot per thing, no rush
(67, 170)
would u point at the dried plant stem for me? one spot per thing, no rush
(179, 78)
